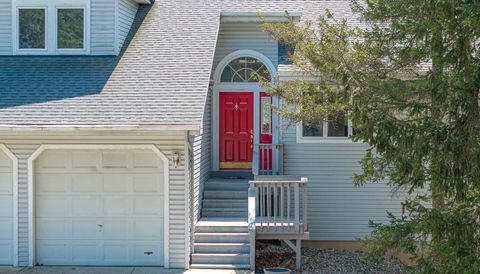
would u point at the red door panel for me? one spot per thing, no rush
(236, 130)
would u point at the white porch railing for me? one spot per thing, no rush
(277, 209)
(268, 159)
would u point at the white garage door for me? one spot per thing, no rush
(99, 208)
(6, 210)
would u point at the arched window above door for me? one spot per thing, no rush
(245, 70)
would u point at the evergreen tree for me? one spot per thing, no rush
(409, 81)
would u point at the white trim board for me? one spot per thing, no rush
(14, 159)
(239, 87)
(31, 190)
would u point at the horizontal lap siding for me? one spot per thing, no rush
(6, 27)
(127, 10)
(201, 158)
(102, 34)
(337, 210)
(244, 36)
(23, 146)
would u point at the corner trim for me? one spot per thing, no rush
(14, 159)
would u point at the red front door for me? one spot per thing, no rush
(236, 130)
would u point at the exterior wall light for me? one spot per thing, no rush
(176, 159)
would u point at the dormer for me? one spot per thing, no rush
(65, 27)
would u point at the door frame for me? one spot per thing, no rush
(240, 87)
(31, 189)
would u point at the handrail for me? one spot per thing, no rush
(268, 159)
(280, 205)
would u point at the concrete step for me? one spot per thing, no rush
(224, 212)
(227, 185)
(220, 194)
(221, 237)
(220, 266)
(220, 258)
(212, 225)
(232, 174)
(221, 248)
(225, 203)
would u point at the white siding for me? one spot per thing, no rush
(23, 146)
(126, 12)
(6, 209)
(6, 27)
(337, 210)
(102, 34)
(201, 158)
(244, 36)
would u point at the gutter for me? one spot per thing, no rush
(98, 127)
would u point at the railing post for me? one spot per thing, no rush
(296, 198)
(256, 160)
(305, 202)
(252, 195)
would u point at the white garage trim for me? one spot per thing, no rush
(31, 192)
(15, 200)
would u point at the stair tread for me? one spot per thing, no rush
(221, 266)
(212, 221)
(222, 254)
(222, 233)
(224, 209)
(222, 244)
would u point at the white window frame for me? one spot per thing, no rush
(325, 138)
(33, 51)
(51, 8)
(85, 19)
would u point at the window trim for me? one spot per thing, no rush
(51, 7)
(325, 138)
(71, 50)
(17, 32)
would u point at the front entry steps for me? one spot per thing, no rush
(221, 243)
(225, 198)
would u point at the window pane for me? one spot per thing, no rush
(338, 127)
(70, 28)
(245, 69)
(266, 115)
(312, 131)
(31, 28)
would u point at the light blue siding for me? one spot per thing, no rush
(337, 210)
(6, 27)
(126, 12)
(201, 145)
(244, 36)
(102, 35)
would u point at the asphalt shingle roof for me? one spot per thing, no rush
(160, 78)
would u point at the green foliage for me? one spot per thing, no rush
(409, 81)
(70, 28)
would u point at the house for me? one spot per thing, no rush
(129, 130)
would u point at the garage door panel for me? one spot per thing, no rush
(51, 183)
(6, 248)
(52, 206)
(84, 206)
(145, 159)
(52, 160)
(6, 208)
(85, 183)
(84, 159)
(6, 229)
(149, 206)
(114, 159)
(112, 209)
(116, 183)
(148, 183)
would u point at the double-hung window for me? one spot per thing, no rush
(51, 27)
(331, 129)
